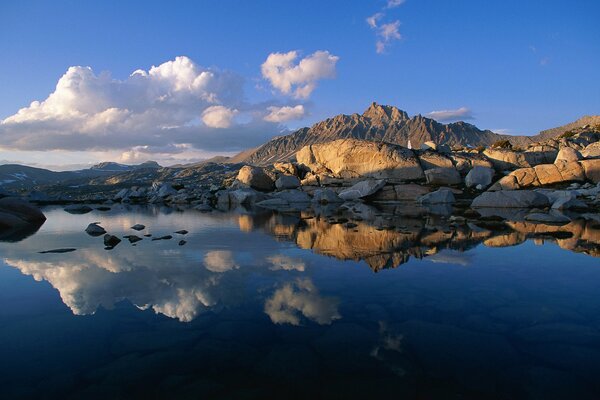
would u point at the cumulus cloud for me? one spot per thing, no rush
(298, 79)
(301, 298)
(218, 116)
(451, 115)
(177, 102)
(285, 113)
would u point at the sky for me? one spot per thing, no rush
(179, 81)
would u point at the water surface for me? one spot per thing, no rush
(296, 305)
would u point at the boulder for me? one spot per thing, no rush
(431, 159)
(121, 195)
(571, 171)
(166, 190)
(567, 154)
(22, 210)
(442, 176)
(504, 159)
(547, 174)
(18, 219)
(292, 196)
(138, 227)
(440, 196)
(326, 196)
(287, 182)
(256, 178)
(591, 150)
(568, 201)
(429, 145)
(479, 176)
(286, 168)
(94, 229)
(508, 182)
(591, 169)
(352, 158)
(362, 189)
(511, 199)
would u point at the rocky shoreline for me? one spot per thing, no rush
(550, 180)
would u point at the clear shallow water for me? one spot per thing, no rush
(264, 305)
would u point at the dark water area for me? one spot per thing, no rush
(300, 305)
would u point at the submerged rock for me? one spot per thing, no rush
(133, 238)
(111, 241)
(78, 209)
(58, 251)
(138, 227)
(94, 229)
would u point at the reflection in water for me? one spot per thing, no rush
(220, 261)
(283, 305)
(167, 279)
(301, 297)
(387, 240)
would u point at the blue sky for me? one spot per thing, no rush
(518, 66)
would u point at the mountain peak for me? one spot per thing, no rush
(385, 113)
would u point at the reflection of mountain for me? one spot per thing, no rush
(387, 240)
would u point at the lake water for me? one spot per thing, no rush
(300, 305)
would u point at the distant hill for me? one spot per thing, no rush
(386, 124)
(16, 176)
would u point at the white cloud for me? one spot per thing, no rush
(394, 3)
(301, 297)
(162, 107)
(373, 20)
(387, 33)
(285, 113)
(298, 79)
(450, 115)
(218, 116)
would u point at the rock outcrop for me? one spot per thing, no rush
(350, 158)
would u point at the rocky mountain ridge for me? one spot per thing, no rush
(389, 124)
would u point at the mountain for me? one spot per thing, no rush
(586, 122)
(116, 167)
(386, 124)
(16, 176)
(377, 123)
